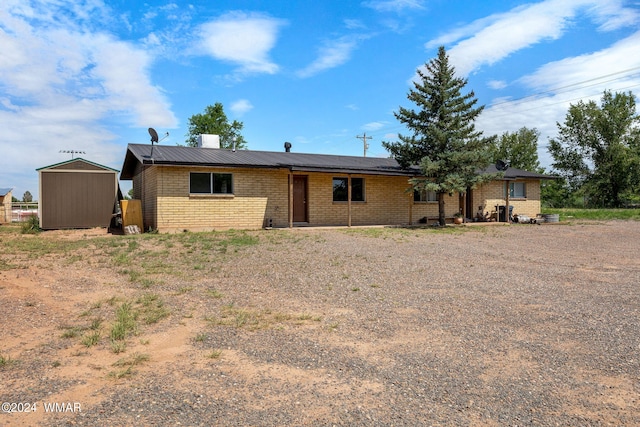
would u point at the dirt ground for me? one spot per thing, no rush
(477, 326)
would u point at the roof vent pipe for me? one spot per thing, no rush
(287, 147)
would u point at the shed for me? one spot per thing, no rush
(76, 194)
(5, 205)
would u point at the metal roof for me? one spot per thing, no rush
(77, 159)
(171, 155)
(513, 173)
(215, 157)
(5, 191)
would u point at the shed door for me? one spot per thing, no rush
(300, 199)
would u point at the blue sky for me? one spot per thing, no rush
(92, 76)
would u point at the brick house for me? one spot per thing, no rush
(187, 188)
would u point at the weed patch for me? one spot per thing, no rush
(127, 365)
(6, 361)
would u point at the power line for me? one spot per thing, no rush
(631, 72)
(561, 88)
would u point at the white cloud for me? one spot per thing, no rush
(374, 126)
(561, 83)
(243, 39)
(241, 107)
(394, 5)
(491, 39)
(332, 54)
(62, 81)
(590, 68)
(497, 84)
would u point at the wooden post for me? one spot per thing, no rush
(506, 213)
(411, 207)
(349, 200)
(290, 199)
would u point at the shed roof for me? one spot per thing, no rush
(5, 191)
(77, 163)
(168, 155)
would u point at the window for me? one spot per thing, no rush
(517, 190)
(210, 183)
(341, 189)
(425, 196)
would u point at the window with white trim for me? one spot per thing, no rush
(210, 183)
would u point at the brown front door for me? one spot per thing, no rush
(300, 199)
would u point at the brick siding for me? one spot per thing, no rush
(261, 198)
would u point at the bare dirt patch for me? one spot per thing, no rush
(520, 325)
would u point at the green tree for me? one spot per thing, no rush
(444, 141)
(27, 197)
(598, 149)
(214, 121)
(520, 148)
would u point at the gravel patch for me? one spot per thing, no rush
(528, 325)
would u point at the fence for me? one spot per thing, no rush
(21, 211)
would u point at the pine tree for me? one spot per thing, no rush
(451, 153)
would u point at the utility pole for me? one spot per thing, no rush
(364, 138)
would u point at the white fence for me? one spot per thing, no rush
(21, 211)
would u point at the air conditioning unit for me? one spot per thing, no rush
(208, 141)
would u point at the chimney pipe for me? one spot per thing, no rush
(287, 147)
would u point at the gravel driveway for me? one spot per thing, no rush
(523, 325)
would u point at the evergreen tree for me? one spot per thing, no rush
(214, 121)
(444, 142)
(598, 149)
(27, 197)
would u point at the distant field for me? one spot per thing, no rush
(595, 214)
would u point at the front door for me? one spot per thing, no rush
(300, 199)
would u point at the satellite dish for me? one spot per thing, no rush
(154, 135)
(502, 165)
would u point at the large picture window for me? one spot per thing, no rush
(341, 189)
(210, 183)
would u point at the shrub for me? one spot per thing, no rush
(32, 225)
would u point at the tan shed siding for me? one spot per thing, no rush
(77, 199)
